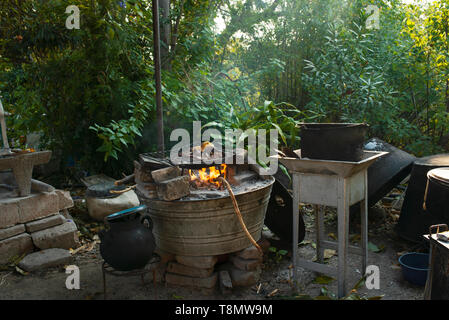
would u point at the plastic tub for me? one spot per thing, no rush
(415, 267)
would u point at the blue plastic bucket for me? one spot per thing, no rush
(415, 267)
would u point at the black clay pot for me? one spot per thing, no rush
(128, 244)
(333, 141)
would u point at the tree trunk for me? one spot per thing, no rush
(165, 33)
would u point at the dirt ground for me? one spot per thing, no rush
(275, 282)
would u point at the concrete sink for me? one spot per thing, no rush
(22, 164)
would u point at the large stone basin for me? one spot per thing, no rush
(22, 165)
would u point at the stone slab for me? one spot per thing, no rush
(45, 259)
(37, 206)
(15, 246)
(65, 200)
(45, 223)
(63, 236)
(197, 262)
(181, 269)
(12, 231)
(185, 281)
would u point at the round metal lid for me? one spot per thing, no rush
(439, 174)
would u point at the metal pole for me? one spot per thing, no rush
(157, 76)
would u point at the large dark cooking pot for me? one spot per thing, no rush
(128, 244)
(333, 141)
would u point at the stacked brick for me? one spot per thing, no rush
(206, 274)
(166, 184)
(35, 222)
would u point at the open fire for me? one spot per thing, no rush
(207, 177)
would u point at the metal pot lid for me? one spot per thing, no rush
(125, 213)
(440, 174)
(102, 190)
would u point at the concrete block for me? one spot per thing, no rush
(45, 223)
(12, 231)
(165, 174)
(174, 189)
(246, 265)
(142, 175)
(197, 262)
(46, 259)
(181, 269)
(63, 236)
(185, 281)
(15, 246)
(244, 278)
(148, 190)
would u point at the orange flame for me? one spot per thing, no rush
(208, 176)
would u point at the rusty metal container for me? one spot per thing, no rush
(208, 227)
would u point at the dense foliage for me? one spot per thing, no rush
(90, 92)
